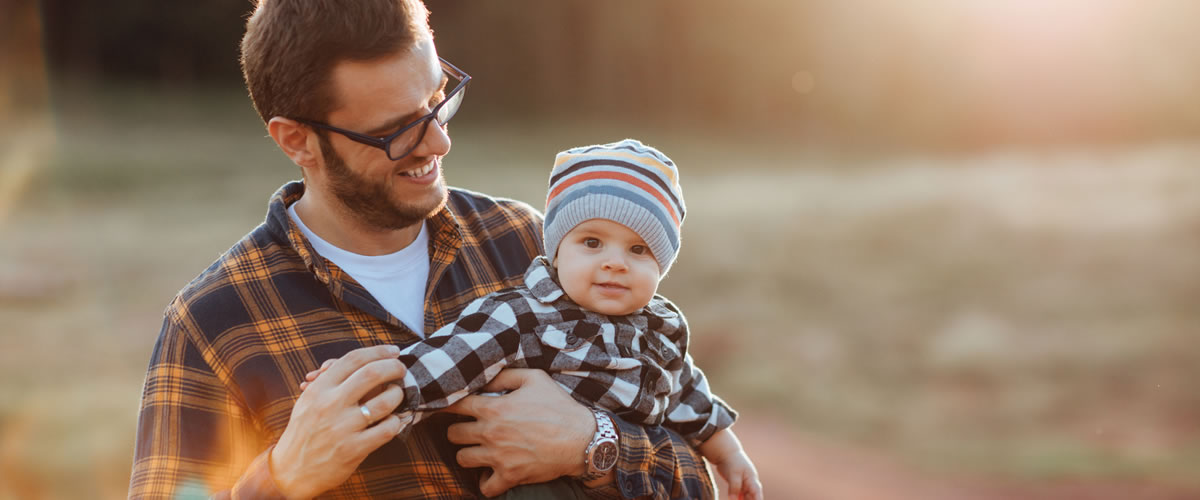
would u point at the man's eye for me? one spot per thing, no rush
(591, 242)
(638, 249)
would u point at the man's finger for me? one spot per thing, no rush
(493, 485)
(465, 433)
(474, 456)
(386, 402)
(343, 367)
(370, 376)
(303, 386)
(469, 406)
(510, 379)
(312, 375)
(371, 438)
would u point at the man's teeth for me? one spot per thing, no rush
(420, 171)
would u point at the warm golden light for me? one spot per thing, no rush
(1023, 72)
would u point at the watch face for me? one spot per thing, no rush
(605, 456)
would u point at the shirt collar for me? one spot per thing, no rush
(444, 230)
(542, 281)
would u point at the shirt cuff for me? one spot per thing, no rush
(606, 492)
(257, 481)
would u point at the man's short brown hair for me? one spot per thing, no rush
(291, 47)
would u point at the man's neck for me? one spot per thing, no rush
(333, 223)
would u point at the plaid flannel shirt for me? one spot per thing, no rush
(237, 341)
(635, 365)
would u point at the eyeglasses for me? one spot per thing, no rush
(402, 142)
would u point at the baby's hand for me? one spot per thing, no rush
(739, 473)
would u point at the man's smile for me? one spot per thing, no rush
(425, 173)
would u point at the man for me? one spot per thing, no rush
(371, 250)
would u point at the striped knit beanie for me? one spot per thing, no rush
(626, 182)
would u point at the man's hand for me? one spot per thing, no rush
(329, 434)
(534, 434)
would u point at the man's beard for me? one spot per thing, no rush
(371, 202)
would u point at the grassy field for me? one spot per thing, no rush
(1019, 316)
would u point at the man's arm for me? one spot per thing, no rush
(195, 437)
(538, 433)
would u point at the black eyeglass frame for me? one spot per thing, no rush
(385, 143)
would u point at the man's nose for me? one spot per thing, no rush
(435, 142)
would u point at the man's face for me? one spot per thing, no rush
(377, 98)
(606, 268)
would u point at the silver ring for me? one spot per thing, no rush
(366, 413)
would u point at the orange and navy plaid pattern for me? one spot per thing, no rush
(238, 339)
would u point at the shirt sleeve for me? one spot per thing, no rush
(194, 439)
(692, 410)
(655, 462)
(459, 359)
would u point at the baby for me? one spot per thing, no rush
(588, 314)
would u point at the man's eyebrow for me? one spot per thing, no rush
(395, 124)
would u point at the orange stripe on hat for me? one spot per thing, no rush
(644, 160)
(614, 176)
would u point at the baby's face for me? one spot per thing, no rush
(606, 268)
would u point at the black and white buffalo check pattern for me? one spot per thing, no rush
(635, 365)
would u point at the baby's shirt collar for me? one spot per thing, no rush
(542, 281)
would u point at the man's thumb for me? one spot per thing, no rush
(491, 485)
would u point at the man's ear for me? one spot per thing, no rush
(295, 141)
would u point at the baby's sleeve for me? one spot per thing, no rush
(459, 359)
(692, 409)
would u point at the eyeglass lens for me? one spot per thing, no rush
(408, 141)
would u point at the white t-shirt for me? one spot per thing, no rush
(397, 280)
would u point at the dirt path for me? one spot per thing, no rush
(795, 466)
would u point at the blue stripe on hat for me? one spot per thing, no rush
(651, 175)
(654, 207)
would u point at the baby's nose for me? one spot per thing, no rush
(614, 263)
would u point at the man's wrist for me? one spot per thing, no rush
(574, 460)
(258, 481)
(286, 484)
(601, 454)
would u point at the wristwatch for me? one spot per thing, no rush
(600, 456)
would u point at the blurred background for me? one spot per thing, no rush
(935, 248)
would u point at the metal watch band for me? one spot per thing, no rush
(605, 437)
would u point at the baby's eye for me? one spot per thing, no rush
(639, 249)
(591, 242)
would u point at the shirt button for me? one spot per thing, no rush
(572, 340)
(627, 488)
